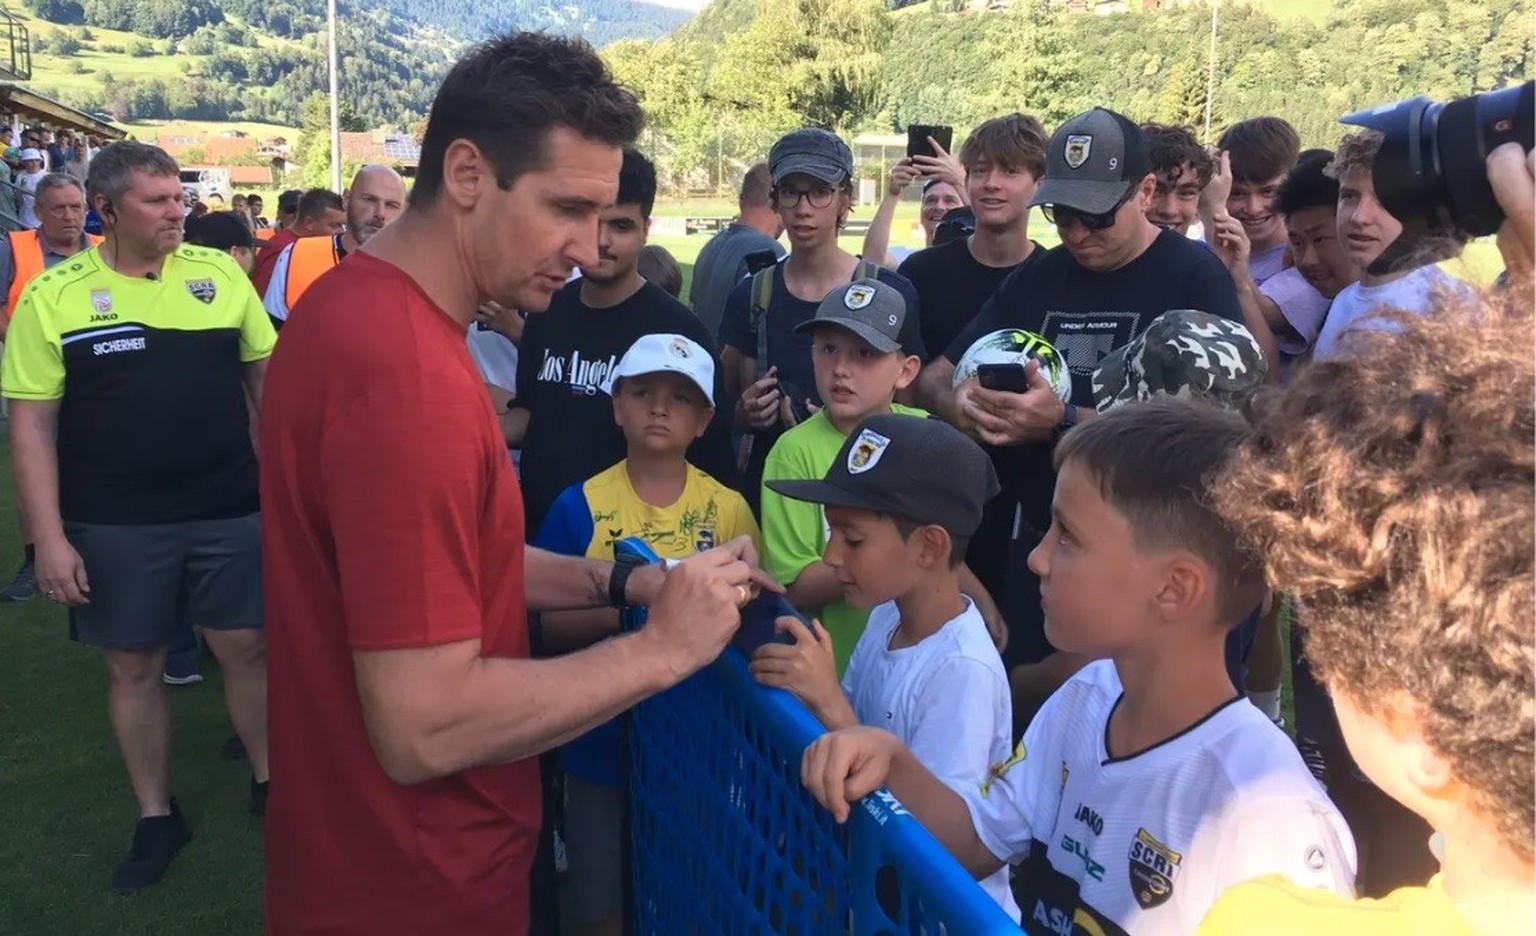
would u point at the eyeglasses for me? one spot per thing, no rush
(818, 197)
(1062, 216)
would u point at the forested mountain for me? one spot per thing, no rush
(853, 66)
(258, 60)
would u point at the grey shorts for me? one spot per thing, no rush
(148, 579)
(594, 844)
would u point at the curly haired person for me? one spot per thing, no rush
(1390, 490)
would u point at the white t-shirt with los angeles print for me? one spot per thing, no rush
(1144, 844)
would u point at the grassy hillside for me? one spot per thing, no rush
(151, 130)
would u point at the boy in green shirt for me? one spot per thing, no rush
(860, 366)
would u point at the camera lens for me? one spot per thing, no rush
(1430, 170)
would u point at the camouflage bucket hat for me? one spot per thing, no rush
(1183, 353)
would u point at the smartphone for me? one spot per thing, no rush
(1008, 377)
(796, 400)
(760, 260)
(918, 134)
(759, 623)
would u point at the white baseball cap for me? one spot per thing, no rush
(653, 354)
(29, 155)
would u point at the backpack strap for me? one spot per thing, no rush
(866, 269)
(762, 296)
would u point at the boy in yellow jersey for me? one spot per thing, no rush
(860, 365)
(1390, 490)
(662, 400)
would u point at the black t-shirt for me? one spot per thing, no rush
(952, 286)
(791, 353)
(1084, 315)
(565, 356)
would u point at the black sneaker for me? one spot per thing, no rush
(259, 797)
(156, 841)
(24, 586)
(1312, 756)
(233, 749)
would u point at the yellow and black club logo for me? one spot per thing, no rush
(1154, 866)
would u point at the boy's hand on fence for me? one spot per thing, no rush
(845, 766)
(807, 669)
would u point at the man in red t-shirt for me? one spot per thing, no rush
(404, 711)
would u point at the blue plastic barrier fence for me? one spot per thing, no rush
(724, 839)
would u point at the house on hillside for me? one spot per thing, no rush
(382, 147)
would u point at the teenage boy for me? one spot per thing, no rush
(765, 360)
(860, 366)
(559, 416)
(1367, 229)
(1004, 160)
(901, 498)
(1183, 170)
(663, 399)
(1308, 199)
(1417, 589)
(1147, 785)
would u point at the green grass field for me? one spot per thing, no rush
(66, 807)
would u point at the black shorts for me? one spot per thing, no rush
(147, 579)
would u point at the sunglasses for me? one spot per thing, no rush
(1062, 216)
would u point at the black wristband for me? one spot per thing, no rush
(618, 579)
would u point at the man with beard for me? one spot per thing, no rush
(375, 198)
(560, 415)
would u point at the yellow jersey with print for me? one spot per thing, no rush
(1270, 906)
(588, 518)
(153, 425)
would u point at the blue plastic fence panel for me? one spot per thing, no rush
(725, 840)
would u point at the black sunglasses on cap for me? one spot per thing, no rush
(1062, 216)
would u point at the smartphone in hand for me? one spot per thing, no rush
(918, 134)
(1007, 377)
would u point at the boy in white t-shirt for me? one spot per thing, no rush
(1146, 784)
(903, 497)
(1411, 284)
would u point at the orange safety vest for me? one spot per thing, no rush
(27, 262)
(310, 258)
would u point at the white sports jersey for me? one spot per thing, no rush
(946, 698)
(1144, 844)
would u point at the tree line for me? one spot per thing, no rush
(719, 90)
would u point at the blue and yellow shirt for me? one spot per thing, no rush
(148, 373)
(588, 518)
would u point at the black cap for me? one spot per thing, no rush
(1094, 162)
(220, 230)
(868, 308)
(924, 470)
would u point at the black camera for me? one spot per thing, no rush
(1430, 171)
(956, 223)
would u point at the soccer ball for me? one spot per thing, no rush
(1015, 346)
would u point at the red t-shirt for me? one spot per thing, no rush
(266, 259)
(391, 518)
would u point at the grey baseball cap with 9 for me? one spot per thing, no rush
(1094, 162)
(868, 308)
(818, 153)
(923, 470)
(1183, 353)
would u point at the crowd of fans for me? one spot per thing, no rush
(1036, 606)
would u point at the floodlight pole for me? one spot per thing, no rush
(1210, 71)
(330, 19)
